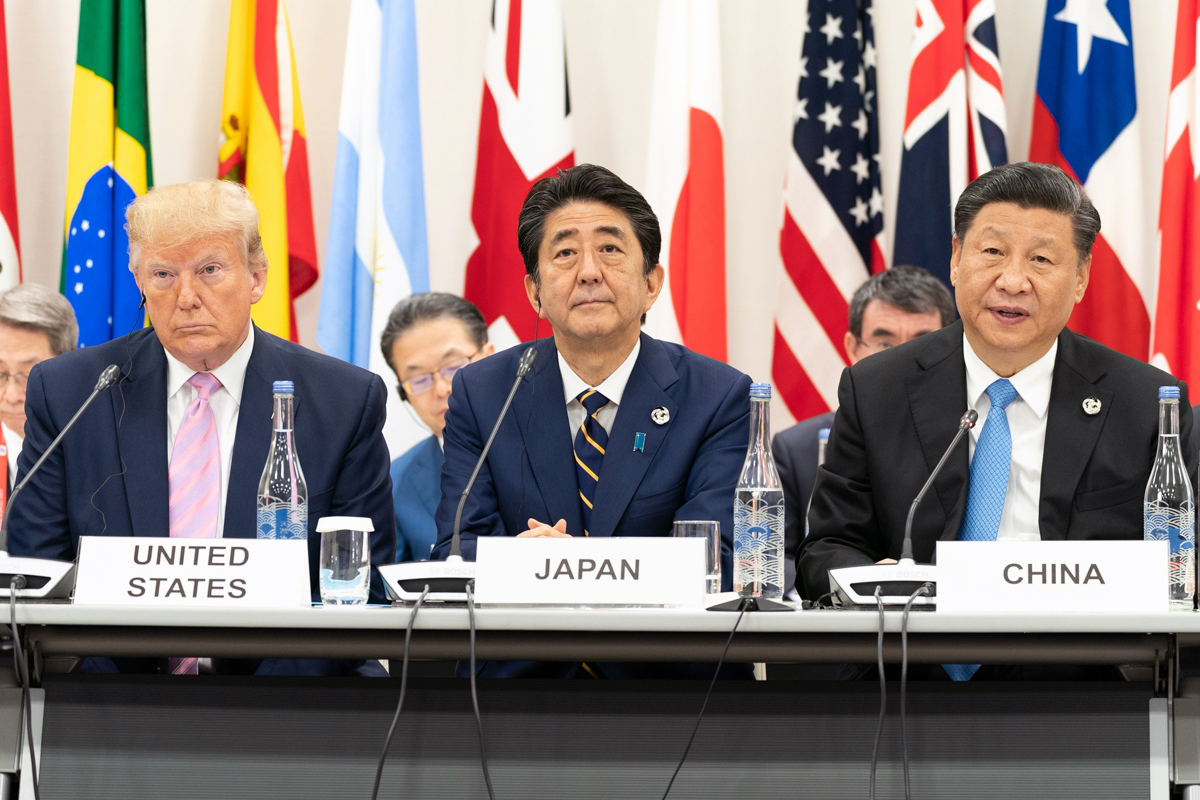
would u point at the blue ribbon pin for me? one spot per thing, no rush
(639, 443)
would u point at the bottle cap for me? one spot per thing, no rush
(284, 387)
(343, 523)
(823, 433)
(760, 391)
(1168, 393)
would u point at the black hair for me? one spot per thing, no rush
(426, 306)
(910, 289)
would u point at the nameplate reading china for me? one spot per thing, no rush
(1055, 576)
(152, 571)
(623, 571)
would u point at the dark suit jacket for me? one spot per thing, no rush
(898, 412)
(109, 475)
(416, 490)
(688, 468)
(795, 451)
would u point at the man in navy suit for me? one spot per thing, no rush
(428, 338)
(613, 433)
(890, 308)
(197, 256)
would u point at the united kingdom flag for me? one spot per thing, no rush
(833, 207)
(954, 124)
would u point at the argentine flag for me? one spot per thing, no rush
(378, 251)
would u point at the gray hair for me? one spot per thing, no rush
(35, 308)
(910, 289)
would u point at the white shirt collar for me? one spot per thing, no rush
(613, 386)
(231, 374)
(1032, 383)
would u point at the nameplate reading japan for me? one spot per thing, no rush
(622, 571)
(152, 571)
(1056, 576)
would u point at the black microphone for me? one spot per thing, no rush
(526, 363)
(107, 378)
(965, 423)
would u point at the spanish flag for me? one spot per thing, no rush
(263, 146)
(107, 166)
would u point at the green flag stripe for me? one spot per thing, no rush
(112, 44)
(97, 39)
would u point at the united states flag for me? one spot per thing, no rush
(1177, 320)
(833, 207)
(954, 124)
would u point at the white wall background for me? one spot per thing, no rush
(610, 61)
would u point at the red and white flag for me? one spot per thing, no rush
(685, 180)
(1177, 320)
(10, 236)
(524, 135)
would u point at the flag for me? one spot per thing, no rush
(685, 182)
(1085, 121)
(378, 250)
(108, 164)
(263, 146)
(10, 234)
(832, 232)
(524, 135)
(1177, 320)
(954, 125)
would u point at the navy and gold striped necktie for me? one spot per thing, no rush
(590, 442)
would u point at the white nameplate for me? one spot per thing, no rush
(1056, 576)
(622, 570)
(158, 571)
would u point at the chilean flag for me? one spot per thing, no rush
(1085, 121)
(686, 177)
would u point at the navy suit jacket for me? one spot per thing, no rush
(109, 475)
(795, 451)
(688, 468)
(416, 490)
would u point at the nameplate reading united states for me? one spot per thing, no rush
(1056, 576)
(624, 570)
(151, 571)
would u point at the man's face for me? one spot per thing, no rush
(592, 287)
(1017, 276)
(422, 353)
(20, 349)
(884, 325)
(198, 296)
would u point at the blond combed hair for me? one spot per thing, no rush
(182, 213)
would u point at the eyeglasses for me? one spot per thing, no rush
(875, 345)
(419, 384)
(19, 378)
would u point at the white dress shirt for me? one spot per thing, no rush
(225, 404)
(14, 440)
(1027, 424)
(612, 388)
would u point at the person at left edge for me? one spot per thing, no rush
(671, 426)
(197, 256)
(428, 337)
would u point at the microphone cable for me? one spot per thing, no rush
(18, 583)
(704, 705)
(487, 778)
(923, 589)
(882, 692)
(387, 743)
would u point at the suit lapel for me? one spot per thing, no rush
(540, 412)
(253, 437)
(1071, 435)
(937, 398)
(427, 476)
(623, 467)
(139, 404)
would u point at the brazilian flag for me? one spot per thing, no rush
(108, 165)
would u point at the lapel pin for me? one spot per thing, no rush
(639, 442)
(660, 415)
(1091, 406)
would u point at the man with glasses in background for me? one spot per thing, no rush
(891, 308)
(427, 339)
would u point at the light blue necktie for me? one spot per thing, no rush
(988, 486)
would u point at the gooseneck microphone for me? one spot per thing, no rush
(447, 580)
(857, 586)
(45, 577)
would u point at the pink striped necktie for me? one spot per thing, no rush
(195, 480)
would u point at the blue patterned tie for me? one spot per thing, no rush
(988, 486)
(590, 442)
